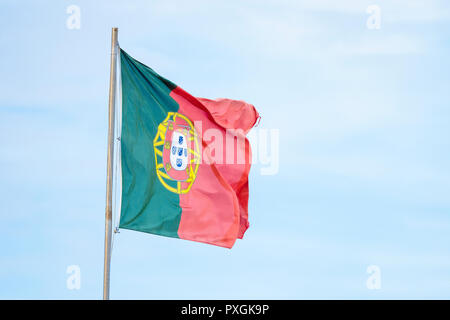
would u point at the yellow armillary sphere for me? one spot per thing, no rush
(177, 153)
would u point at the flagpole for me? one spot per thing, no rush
(109, 172)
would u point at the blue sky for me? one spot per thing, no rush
(364, 151)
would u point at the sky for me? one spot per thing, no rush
(363, 117)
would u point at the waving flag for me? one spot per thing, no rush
(185, 160)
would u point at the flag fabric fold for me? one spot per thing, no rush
(185, 160)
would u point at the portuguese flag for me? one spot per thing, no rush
(185, 160)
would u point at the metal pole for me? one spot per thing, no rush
(109, 172)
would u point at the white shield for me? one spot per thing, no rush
(179, 151)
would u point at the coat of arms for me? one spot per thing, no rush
(177, 153)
